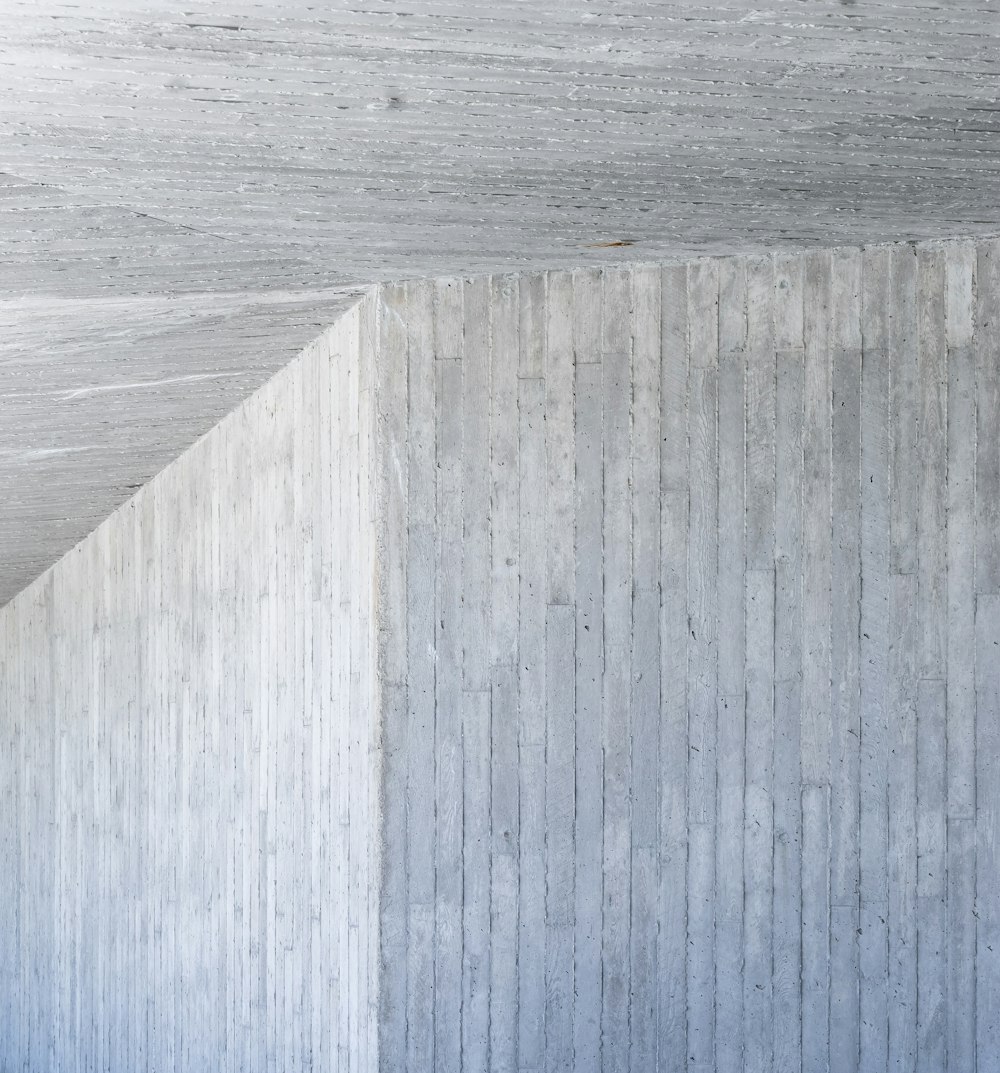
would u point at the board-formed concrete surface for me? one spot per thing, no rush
(187, 781)
(683, 585)
(186, 193)
(695, 600)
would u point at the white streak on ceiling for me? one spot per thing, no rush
(187, 197)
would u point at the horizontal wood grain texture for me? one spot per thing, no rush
(189, 193)
(186, 755)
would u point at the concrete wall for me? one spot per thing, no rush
(649, 617)
(693, 605)
(187, 788)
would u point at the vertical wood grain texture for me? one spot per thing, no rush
(187, 775)
(672, 907)
(732, 715)
(675, 589)
(787, 913)
(817, 600)
(758, 493)
(873, 821)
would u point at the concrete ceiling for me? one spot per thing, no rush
(188, 194)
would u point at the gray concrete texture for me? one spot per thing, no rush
(692, 750)
(679, 745)
(189, 194)
(187, 783)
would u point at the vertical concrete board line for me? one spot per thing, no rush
(987, 625)
(987, 824)
(559, 856)
(559, 437)
(702, 665)
(560, 669)
(787, 915)
(960, 730)
(761, 387)
(397, 311)
(644, 699)
(448, 901)
(902, 743)
(987, 351)
(476, 715)
(672, 912)
(315, 825)
(932, 449)
(987, 693)
(932, 744)
(616, 344)
(296, 688)
(845, 717)
(931, 875)
(504, 816)
(731, 514)
(589, 669)
(816, 670)
(874, 626)
(531, 673)
(366, 612)
(759, 603)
